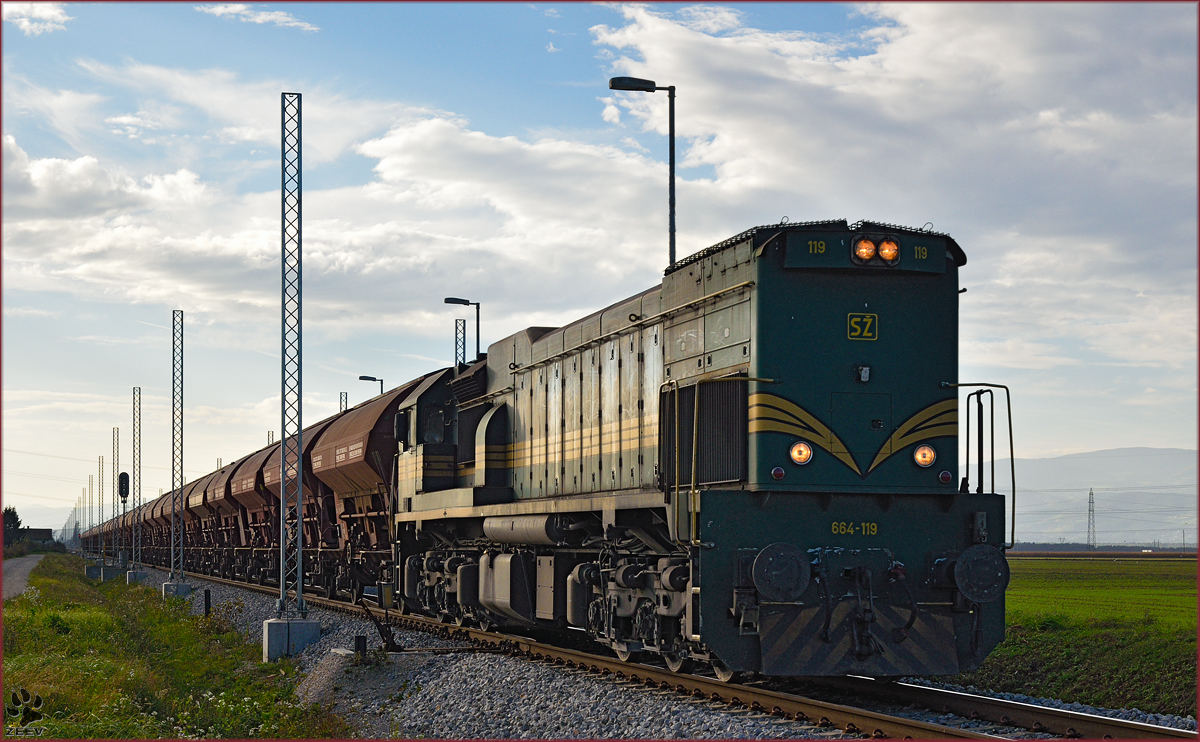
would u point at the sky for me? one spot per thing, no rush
(474, 150)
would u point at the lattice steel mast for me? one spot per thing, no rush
(1091, 539)
(116, 469)
(343, 401)
(100, 502)
(135, 475)
(177, 445)
(460, 342)
(291, 530)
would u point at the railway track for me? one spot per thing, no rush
(994, 717)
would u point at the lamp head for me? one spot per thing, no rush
(453, 300)
(631, 83)
(367, 378)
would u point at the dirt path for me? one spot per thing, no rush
(16, 574)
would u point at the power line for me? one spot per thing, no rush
(72, 458)
(43, 497)
(1107, 512)
(1132, 488)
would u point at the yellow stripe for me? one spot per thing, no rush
(936, 420)
(769, 413)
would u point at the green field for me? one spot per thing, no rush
(1159, 591)
(1114, 633)
(114, 661)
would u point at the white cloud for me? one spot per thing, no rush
(611, 113)
(245, 14)
(132, 125)
(68, 112)
(1049, 154)
(35, 18)
(710, 19)
(449, 206)
(632, 143)
(1067, 173)
(240, 111)
(552, 48)
(82, 188)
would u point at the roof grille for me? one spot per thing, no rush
(751, 233)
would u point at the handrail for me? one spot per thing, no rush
(1011, 455)
(673, 526)
(978, 395)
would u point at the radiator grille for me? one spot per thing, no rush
(722, 433)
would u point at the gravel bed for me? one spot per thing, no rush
(337, 629)
(484, 695)
(492, 696)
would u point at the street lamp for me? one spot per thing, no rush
(636, 84)
(372, 378)
(466, 303)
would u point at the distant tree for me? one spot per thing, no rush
(12, 524)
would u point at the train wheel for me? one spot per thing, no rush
(461, 620)
(625, 655)
(724, 674)
(680, 663)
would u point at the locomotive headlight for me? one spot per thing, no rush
(801, 453)
(889, 250)
(924, 456)
(864, 249)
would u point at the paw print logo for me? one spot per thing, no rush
(23, 708)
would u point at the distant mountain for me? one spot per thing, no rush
(45, 516)
(1142, 495)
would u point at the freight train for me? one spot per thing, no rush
(749, 467)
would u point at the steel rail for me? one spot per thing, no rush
(821, 713)
(1065, 723)
(1040, 719)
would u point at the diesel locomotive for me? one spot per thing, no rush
(750, 467)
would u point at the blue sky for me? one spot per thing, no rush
(475, 150)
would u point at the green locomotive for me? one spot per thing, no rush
(752, 465)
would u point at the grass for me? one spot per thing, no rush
(1159, 591)
(117, 661)
(1115, 633)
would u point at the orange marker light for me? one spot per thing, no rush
(924, 456)
(864, 249)
(801, 453)
(889, 250)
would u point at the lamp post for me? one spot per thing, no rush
(466, 303)
(636, 84)
(372, 378)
